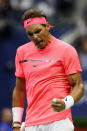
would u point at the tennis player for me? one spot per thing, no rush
(47, 71)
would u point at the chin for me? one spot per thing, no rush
(41, 46)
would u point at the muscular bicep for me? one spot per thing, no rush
(75, 79)
(19, 93)
(77, 86)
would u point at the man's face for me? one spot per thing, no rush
(39, 34)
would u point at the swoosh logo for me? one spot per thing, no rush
(35, 65)
(29, 22)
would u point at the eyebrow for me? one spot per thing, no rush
(37, 31)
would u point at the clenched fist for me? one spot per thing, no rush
(58, 105)
(16, 129)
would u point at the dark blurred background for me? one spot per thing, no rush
(70, 20)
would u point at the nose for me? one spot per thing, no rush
(35, 36)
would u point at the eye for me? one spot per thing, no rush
(38, 31)
(30, 34)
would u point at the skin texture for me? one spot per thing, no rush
(40, 35)
(19, 95)
(77, 92)
(16, 129)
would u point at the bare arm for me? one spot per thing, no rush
(77, 92)
(77, 86)
(19, 93)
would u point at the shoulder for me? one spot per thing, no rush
(64, 46)
(62, 43)
(24, 47)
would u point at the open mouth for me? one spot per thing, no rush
(39, 42)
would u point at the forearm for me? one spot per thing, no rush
(77, 92)
(77, 86)
(18, 107)
(18, 102)
(18, 98)
(74, 96)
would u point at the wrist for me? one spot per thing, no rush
(69, 101)
(17, 114)
(16, 125)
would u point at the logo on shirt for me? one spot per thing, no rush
(35, 65)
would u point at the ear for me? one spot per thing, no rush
(48, 26)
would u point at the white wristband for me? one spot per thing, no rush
(69, 101)
(22, 126)
(17, 114)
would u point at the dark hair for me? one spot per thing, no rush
(32, 13)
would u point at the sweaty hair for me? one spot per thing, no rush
(31, 14)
